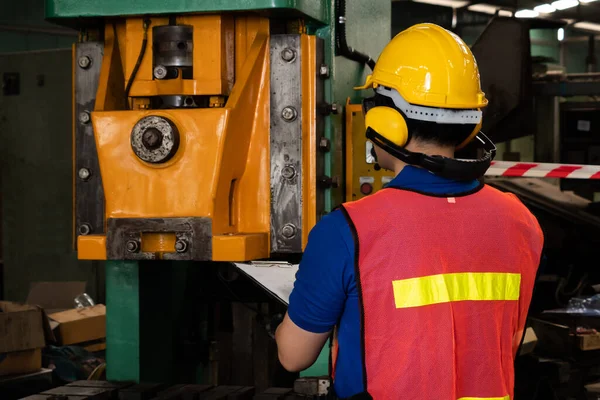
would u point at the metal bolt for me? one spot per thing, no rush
(288, 54)
(327, 109)
(160, 72)
(324, 71)
(84, 62)
(152, 138)
(84, 174)
(325, 182)
(85, 229)
(289, 113)
(288, 231)
(324, 144)
(180, 246)
(132, 246)
(288, 172)
(84, 117)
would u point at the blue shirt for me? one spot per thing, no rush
(325, 291)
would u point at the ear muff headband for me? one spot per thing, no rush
(455, 169)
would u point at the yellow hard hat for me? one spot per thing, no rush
(429, 66)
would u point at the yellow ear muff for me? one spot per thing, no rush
(470, 137)
(389, 123)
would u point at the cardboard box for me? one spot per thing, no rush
(21, 327)
(589, 342)
(24, 331)
(54, 296)
(20, 362)
(70, 325)
(80, 325)
(529, 341)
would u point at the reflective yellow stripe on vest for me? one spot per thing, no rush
(444, 288)
(485, 398)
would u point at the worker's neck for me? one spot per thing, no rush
(425, 148)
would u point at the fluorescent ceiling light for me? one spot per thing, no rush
(445, 3)
(588, 26)
(545, 9)
(564, 4)
(526, 14)
(560, 34)
(586, 1)
(505, 13)
(483, 8)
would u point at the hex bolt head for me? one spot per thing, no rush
(288, 172)
(289, 114)
(84, 117)
(324, 71)
(160, 72)
(334, 108)
(181, 246)
(288, 54)
(84, 174)
(288, 231)
(85, 229)
(84, 62)
(132, 246)
(324, 144)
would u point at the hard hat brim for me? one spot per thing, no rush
(369, 84)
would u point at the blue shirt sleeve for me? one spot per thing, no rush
(324, 276)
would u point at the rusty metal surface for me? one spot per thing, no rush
(195, 234)
(155, 139)
(89, 194)
(286, 144)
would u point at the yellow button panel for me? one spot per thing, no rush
(362, 178)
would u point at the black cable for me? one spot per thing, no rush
(138, 63)
(340, 38)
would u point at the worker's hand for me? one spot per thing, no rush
(273, 323)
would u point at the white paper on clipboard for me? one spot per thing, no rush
(277, 278)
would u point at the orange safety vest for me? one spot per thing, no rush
(445, 285)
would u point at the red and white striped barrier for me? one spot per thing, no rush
(543, 170)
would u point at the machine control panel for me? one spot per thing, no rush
(363, 176)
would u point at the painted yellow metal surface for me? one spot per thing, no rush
(91, 247)
(358, 171)
(158, 243)
(240, 247)
(221, 169)
(309, 135)
(213, 56)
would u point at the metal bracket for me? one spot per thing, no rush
(195, 235)
(89, 193)
(286, 144)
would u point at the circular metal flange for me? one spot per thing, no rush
(154, 139)
(173, 45)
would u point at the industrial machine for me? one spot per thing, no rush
(207, 132)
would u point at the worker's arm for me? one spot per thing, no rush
(298, 349)
(319, 294)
